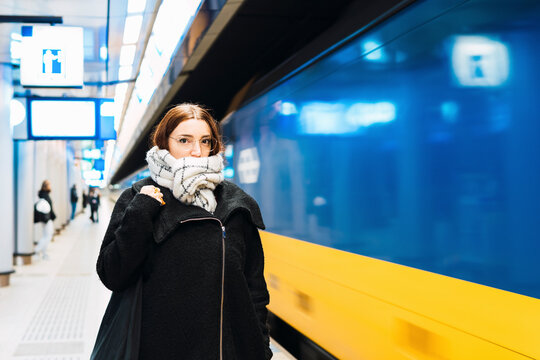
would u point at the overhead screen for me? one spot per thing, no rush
(69, 118)
(52, 118)
(52, 56)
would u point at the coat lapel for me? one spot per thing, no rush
(229, 198)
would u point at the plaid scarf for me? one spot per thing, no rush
(191, 180)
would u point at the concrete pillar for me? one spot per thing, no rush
(63, 164)
(7, 234)
(26, 196)
(59, 165)
(73, 175)
(51, 164)
(54, 174)
(39, 163)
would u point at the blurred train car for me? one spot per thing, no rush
(398, 174)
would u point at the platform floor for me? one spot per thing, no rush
(52, 308)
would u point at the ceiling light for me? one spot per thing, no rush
(120, 96)
(136, 6)
(120, 90)
(127, 55)
(124, 72)
(132, 29)
(103, 53)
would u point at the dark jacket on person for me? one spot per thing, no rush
(179, 251)
(84, 200)
(93, 200)
(39, 216)
(74, 195)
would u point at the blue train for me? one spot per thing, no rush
(398, 173)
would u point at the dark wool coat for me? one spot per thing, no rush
(178, 250)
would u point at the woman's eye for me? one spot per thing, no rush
(206, 141)
(183, 140)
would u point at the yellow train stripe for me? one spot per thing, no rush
(358, 307)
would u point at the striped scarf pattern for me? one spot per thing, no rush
(191, 179)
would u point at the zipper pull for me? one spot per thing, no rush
(223, 231)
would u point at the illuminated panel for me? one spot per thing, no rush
(51, 118)
(52, 56)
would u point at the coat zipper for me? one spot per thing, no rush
(222, 278)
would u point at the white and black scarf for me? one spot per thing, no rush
(191, 179)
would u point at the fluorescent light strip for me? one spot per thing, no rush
(127, 55)
(132, 29)
(124, 72)
(136, 6)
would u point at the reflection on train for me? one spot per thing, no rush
(399, 176)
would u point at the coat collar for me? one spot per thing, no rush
(229, 198)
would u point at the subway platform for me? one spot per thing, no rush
(53, 308)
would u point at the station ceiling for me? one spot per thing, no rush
(103, 23)
(263, 42)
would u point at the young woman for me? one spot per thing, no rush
(44, 214)
(193, 238)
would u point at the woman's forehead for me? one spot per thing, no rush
(192, 127)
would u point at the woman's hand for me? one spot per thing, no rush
(154, 192)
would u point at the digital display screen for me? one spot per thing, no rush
(61, 119)
(52, 56)
(69, 118)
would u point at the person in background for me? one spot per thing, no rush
(93, 200)
(84, 199)
(74, 199)
(44, 214)
(194, 240)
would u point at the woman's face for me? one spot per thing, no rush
(191, 138)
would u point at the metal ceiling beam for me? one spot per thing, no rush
(31, 19)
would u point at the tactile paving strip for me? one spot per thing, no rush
(58, 325)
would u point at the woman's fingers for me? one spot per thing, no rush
(154, 192)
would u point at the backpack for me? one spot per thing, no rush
(43, 206)
(42, 211)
